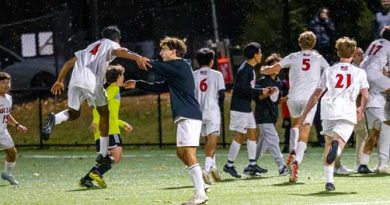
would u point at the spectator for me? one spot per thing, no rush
(323, 27)
(382, 17)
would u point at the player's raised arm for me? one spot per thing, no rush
(269, 70)
(141, 61)
(58, 86)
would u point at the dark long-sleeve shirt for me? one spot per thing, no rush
(180, 81)
(267, 111)
(244, 89)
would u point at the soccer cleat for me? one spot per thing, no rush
(252, 170)
(206, 177)
(343, 170)
(215, 174)
(232, 171)
(381, 169)
(294, 172)
(330, 187)
(104, 160)
(86, 183)
(283, 171)
(197, 199)
(48, 126)
(207, 188)
(260, 169)
(332, 154)
(290, 159)
(98, 178)
(9, 178)
(363, 169)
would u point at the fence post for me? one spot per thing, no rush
(40, 119)
(160, 142)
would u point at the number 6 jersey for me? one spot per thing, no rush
(342, 83)
(305, 69)
(207, 84)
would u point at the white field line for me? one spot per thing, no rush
(358, 203)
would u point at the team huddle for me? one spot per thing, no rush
(349, 91)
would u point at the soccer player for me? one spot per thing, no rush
(341, 84)
(6, 142)
(242, 120)
(86, 83)
(186, 112)
(210, 93)
(114, 80)
(305, 69)
(266, 115)
(376, 59)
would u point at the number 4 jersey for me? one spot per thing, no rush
(91, 64)
(207, 84)
(342, 83)
(305, 69)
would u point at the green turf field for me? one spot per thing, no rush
(148, 176)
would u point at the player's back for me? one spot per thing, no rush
(92, 62)
(208, 82)
(377, 55)
(343, 82)
(305, 69)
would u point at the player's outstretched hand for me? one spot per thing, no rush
(267, 91)
(21, 128)
(57, 88)
(93, 127)
(130, 84)
(128, 128)
(143, 63)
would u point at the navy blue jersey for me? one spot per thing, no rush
(267, 111)
(244, 89)
(181, 85)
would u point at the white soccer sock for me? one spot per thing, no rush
(384, 144)
(329, 173)
(208, 164)
(61, 117)
(103, 145)
(196, 176)
(364, 159)
(251, 145)
(233, 152)
(294, 136)
(300, 151)
(8, 167)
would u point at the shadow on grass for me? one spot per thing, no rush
(372, 175)
(178, 187)
(288, 184)
(326, 193)
(84, 189)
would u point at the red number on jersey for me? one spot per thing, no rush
(340, 79)
(374, 49)
(203, 85)
(95, 49)
(305, 64)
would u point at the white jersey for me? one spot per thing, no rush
(5, 109)
(377, 56)
(343, 83)
(91, 64)
(207, 84)
(304, 74)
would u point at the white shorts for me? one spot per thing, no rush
(375, 117)
(240, 121)
(6, 141)
(77, 95)
(188, 133)
(210, 128)
(342, 128)
(296, 108)
(378, 80)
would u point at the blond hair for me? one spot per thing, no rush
(307, 40)
(174, 44)
(345, 47)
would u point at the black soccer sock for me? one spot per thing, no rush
(103, 168)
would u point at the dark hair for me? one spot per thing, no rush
(272, 59)
(251, 49)
(174, 44)
(205, 56)
(386, 33)
(5, 76)
(113, 72)
(111, 32)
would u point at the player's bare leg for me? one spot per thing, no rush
(55, 119)
(209, 167)
(367, 147)
(9, 165)
(333, 148)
